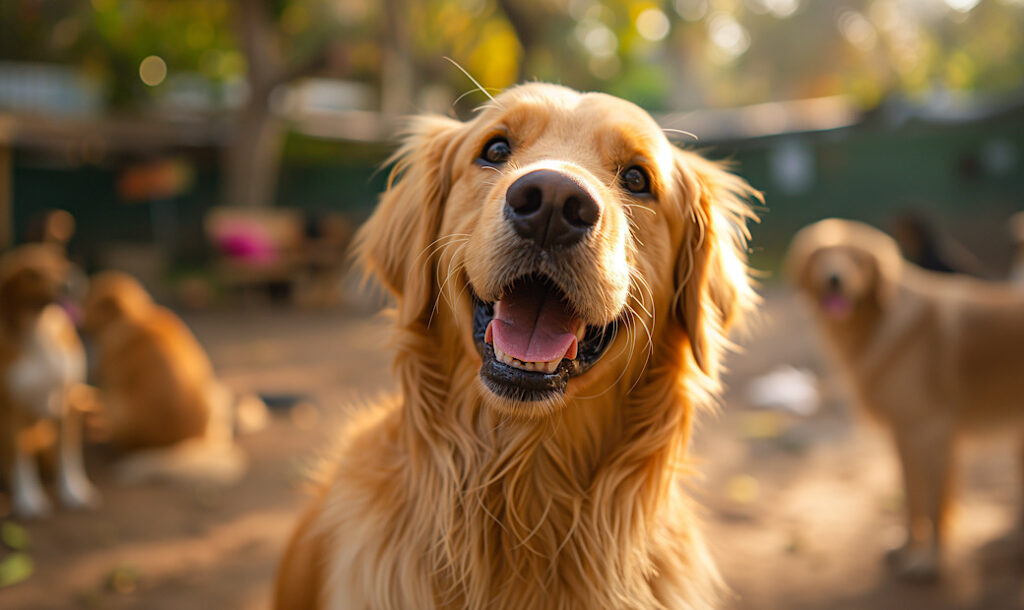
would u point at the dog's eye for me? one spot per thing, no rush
(496, 151)
(635, 180)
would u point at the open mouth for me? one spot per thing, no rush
(836, 305)
(532, 342)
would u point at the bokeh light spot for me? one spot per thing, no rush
(728, 35)
(652, 24)
(962, 6)
(152, 70)
(692, 10)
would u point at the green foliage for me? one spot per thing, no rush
(699, 52)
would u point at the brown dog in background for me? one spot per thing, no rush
(564, 278)
(42, 365)
(160, 400)
(932, 356)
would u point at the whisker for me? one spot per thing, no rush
(642, 207)
(443, 237)
(470, 77)
(440, 291)
(681, 132)
(452, 261)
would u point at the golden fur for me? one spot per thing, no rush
(932, 356)
(42, 365)
(450, 496)
(157, 386)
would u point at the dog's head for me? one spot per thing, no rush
(112, 297)
(562, 235)
(31, 277)
(843, 266)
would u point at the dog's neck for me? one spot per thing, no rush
(853, 335)
(546, 499)
(873, 335)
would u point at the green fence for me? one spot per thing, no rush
(967, 177)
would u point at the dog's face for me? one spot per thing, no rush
(562, 233)
(840, 279)
(31, 277)
(843, 267)
(112, 296)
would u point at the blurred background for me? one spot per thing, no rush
(223, 152)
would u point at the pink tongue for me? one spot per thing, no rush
(836, 305)
(534, 326)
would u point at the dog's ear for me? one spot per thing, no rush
(799, 259)
(886, 264)
(10, 289)
(395, 243)
(713, 286)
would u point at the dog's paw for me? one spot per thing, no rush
(914, 564)
(31, 504)
(78, 494)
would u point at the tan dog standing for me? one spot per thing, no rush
(932, 356)
(161, 400)
(564, 281)
(42, 364)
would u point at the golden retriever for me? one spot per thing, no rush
(42, 364)
(930, 355)
(564, 281)
(160, 399)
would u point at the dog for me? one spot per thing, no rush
(160, 401)
(42, 365)
(932, 356)
(564, 281)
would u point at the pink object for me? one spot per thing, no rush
(837, 306)
(534, 325)
(247, 244)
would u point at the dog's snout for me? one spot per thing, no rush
(550, 208)
(834, 281)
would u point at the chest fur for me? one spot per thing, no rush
(46, 364)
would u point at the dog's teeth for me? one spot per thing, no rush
(580, 331)
(537, 367)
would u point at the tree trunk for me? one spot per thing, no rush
(253, 158)
(397, 73)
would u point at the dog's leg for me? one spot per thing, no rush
(28, 498)
(73, 487)
(1010, 547)
(926, 457)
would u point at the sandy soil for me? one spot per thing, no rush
(799, 509)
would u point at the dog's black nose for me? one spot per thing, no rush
(834, 281)
(550, 208)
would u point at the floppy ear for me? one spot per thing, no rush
(395, 243)
(713, 287)
(9, 285)
(798, 259)
(887, 264)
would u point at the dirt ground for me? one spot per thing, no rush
(799, 509)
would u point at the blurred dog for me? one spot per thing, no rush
(160, 399)
(42, 365)
(931, 355)
(564, 280)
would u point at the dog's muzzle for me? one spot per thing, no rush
(531, 342)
